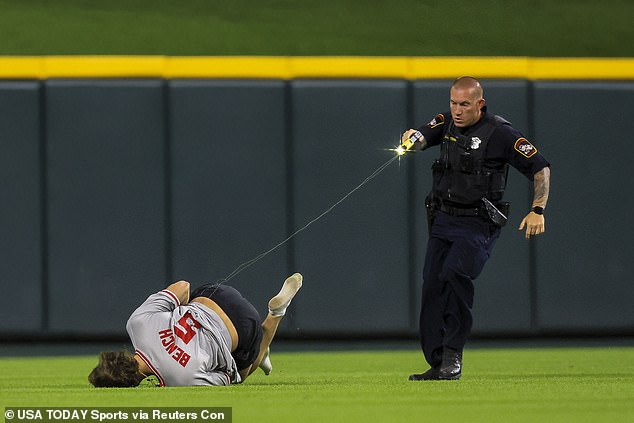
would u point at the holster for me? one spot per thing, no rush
(497, 214)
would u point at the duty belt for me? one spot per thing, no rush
(457, 211)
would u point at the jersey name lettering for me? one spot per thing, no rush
(177, 353)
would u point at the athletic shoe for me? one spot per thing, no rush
(279, 303)
(265, 364)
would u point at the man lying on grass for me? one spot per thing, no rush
(217, 338)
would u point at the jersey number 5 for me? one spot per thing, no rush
(186, 327)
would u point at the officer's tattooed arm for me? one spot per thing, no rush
(535, 222)
(541, 185)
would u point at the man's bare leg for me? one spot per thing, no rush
(277, 310)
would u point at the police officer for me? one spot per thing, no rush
(466, 213)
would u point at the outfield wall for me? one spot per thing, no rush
(112, 187)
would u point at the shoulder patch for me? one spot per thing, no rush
(525, 148)
(437, 121)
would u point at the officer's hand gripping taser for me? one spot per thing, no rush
(408, 143)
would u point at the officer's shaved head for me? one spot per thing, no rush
(468, 83)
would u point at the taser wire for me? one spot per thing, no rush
(260, 256)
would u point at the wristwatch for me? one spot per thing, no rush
(538, 210)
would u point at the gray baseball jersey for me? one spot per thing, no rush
(184, 345)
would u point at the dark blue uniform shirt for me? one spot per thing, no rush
(506, 145)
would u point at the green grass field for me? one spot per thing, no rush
(498, 385)
(318, 27)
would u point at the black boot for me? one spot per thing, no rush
(451, 367)
(431, 374)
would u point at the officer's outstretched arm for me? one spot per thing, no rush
(535, 222)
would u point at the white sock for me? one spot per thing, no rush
(266, 364)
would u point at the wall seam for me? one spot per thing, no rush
(167, 182)
(44, 208)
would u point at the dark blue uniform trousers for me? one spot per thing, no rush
(457, 249)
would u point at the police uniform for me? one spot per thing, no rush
(473, 165)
